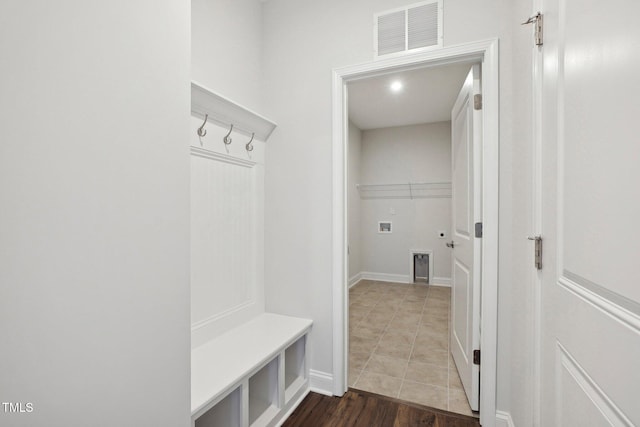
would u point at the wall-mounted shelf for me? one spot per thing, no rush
(225, 112)
(411, 190)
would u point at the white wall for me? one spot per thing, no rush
(226, 48)
(354, 202)
(303, 42)
(418, 153)
(94, 224)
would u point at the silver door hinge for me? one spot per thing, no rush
(477, 101)
(536, 20)
(478, 229)
(476, 357)
(538, 253)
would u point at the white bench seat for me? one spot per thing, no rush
(221, 365)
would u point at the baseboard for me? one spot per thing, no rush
(384, 277)
(321, 382)
(355, 280)
(440, 281)
(503, 419)
(397, 278)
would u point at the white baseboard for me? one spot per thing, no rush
(355, 280)
(321, 382)
(503, 419)
(384, 277)
(397, 278)
(440, 281)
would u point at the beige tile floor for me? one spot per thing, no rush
(399, 344)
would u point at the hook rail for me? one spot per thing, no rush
(201, 131)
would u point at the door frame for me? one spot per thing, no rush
(487, 54)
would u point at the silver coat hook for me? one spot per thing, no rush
(249, 146)
(201, 131)
(227, 140)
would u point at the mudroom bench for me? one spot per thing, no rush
(254, 375)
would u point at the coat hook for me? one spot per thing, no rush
(201, 131)
(249, 146)
(227, 139)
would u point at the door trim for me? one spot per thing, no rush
(487, 54)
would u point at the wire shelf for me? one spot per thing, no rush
(411, 190)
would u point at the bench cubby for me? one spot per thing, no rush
(295, 373)
(226, 413)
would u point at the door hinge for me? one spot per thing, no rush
(536, 20)
(477, 101)
(478, 229)
(476, 357)
(538, 251)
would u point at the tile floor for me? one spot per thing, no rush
(399, 344)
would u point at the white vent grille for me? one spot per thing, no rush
(423, 26)
(392, 36)
(417, 26)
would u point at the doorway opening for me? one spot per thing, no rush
(485, 54)
(399, 172)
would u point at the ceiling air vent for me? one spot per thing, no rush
(409, 29)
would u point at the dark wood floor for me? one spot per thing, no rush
(364, 409)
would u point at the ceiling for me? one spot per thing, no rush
(427, 96)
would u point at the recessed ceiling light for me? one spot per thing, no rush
(396, 86)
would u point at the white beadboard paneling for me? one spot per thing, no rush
(222, 229)
(226, 242)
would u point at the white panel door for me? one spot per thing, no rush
(466, 200)
(590, 297)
